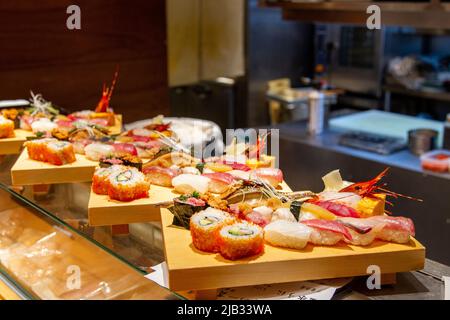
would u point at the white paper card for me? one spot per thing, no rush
(446, 288)
(305, 290)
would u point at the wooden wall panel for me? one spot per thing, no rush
(206, 40)
(38, 52)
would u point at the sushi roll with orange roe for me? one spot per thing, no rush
(205, 226)
(100, 180)
(51, 150)
(240, 240)
(128, 184)
(6, 128)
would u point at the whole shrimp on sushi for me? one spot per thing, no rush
(352, 200)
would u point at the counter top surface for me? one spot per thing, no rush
(426, 284)
(296, 131)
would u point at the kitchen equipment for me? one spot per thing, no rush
(422, 140)
(385, 123)
(372, 142)
(437, 160)
(316, 112)
(446, 144)
(292, 104)
(352, 55)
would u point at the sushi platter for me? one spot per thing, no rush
(27, 171)
(280, 236)
(192, 269)
(14, 144)
(118, 124)
(103, 211)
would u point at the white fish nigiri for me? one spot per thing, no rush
(43, 125)
(265, 211)
(187, 183)
(95, 151)
(287, 234)
(283, 214)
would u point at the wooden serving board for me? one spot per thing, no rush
(117, 128)
(14, 145)
(31, 172)
(191, 269)
(102, 211)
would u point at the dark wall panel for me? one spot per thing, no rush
(38, 52)
(275, 49)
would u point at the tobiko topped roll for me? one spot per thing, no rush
(128, 184)
(51, 151)
(240, 240)
(205, 226)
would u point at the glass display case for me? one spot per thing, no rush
(49, 251)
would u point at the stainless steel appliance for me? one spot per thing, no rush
(352, 55)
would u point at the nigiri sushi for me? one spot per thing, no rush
(219, 181)
(240, 174)
(391, 229)
(121, 149)
(338, 209)
(96, 151)
(51, 151)
(283, 214)
(287, 234)
(188, 183)
(273, 176)
(128, 184)
(257, 218)
(265, 211)
(43, 125)
(125, 160)
(327, 232)
(160, 176)
(6, 128)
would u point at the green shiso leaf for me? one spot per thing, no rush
(196, 195)
(200, 166)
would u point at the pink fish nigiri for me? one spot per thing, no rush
(160, 176)
(338, 209)
(327, 232)
(220, 181)
(392, 229)
(257, 218)
(274, 176)
(124, 148)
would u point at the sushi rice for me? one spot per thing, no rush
(51, 150)
(127, 184)
(287, 234)
(205, 226)
(6, 128)
(240, 240)
(100, 180)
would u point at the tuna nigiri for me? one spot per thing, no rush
(338, 209)
(392, 229)
(121, 149)
(273, 176)
(219, 181)
(327, 232)
(160, 176)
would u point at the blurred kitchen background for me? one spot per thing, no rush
(343, 96)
